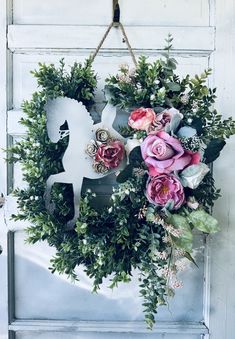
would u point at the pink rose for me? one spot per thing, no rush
(165, 189)
(142, 118)
(164, 154)
(111, 154)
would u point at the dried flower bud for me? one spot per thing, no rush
(192, 203)
(132, 72)
(139, 172)
(92, 148)
(184, 99)
(102, 135)
(99, 167)
(124, 66)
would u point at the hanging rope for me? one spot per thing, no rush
(101, 42)
(125, 39)
(128, 43)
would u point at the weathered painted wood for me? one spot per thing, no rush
(222, 317)
(23, 37)
(53, 12)
(156, 12)
(61, 335)
(3, 174)
(107, 327)
(54, 41)
(54, 291)
(164, 12)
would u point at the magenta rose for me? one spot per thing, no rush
(111, 154)
(165, 154)
(142, 118)
(165, 189)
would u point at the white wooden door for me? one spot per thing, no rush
(33, 302)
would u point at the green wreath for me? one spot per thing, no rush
(132, 232)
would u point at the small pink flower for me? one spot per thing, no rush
(164, 189)
(165, 154)
(111, 154)
(142, 118)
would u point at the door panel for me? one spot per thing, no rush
(46, 306)
(99, 12)
(57, 298)
(163, 12)
(57, 12)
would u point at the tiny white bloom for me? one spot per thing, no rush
(162, 90)
(124, 66)
(192, 203)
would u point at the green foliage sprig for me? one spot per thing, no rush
(156, 85)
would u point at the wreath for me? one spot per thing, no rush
(164, 190)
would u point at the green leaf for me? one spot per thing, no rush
(135, 157)
(125, 174)
(186, 238)
(158, 109)
(213, 149)
(150, 216)
(190, 258)
(197, 124)
(203, 221)
(174, 87)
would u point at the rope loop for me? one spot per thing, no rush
(125, 40)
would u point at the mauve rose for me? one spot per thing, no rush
(164, 190)
(111, 154)
(165, 154)
(168, 120)
(142, 118)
